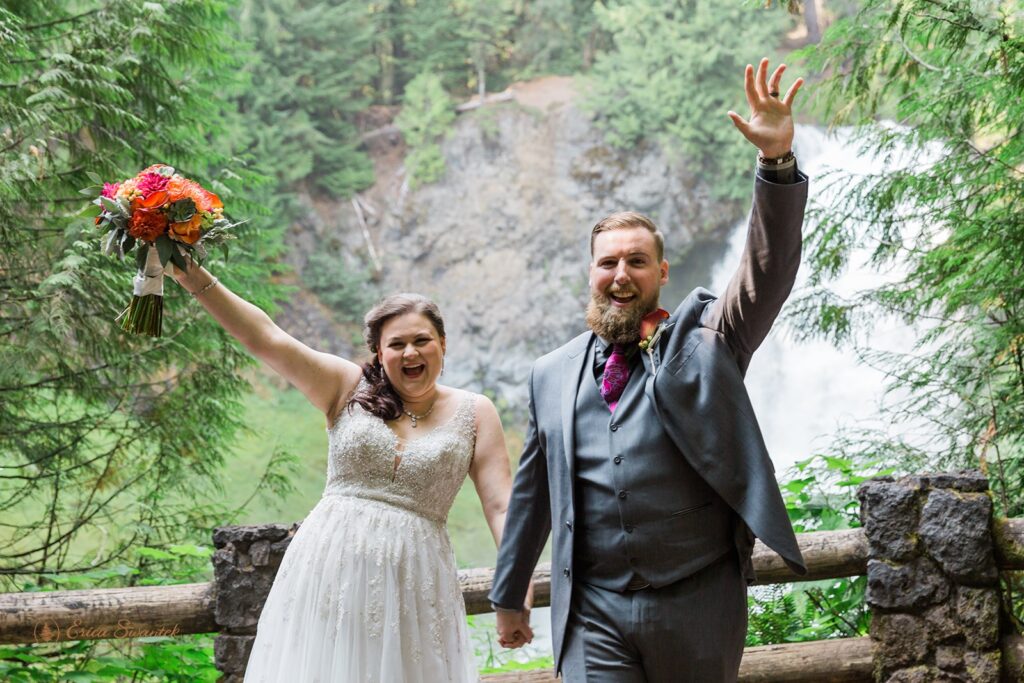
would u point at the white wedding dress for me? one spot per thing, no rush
(367, 590)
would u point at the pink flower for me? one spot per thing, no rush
(150, 183)
(110, 189)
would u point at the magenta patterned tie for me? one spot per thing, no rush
(616, 375)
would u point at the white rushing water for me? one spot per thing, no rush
(805, 392)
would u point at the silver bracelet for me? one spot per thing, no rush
(212, 283)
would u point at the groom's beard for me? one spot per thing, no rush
(618, 325)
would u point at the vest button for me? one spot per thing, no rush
(629, 528)
(568, 524)
(614, 428)
(623, 494)
(565, 572)
(617, 460)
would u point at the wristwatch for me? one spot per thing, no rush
(775, 161)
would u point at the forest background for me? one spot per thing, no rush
(119, 455)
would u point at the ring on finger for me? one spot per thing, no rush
(773, 93)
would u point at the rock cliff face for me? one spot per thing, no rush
(501, 242)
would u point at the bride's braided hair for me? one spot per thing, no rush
(379, 397)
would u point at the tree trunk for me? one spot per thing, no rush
(481, 75)
(811, 20)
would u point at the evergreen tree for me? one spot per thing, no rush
(945, 222)
(556, 36)
(426, 116)
(311, 73)
(105, 435)
(675, 69)
(486, 27)
(427, 39)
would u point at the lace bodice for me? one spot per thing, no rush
(361, 460)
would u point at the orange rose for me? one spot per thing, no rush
(176, 188)
(181, 188)
(210, 201)
(187, 231)
(147, 224)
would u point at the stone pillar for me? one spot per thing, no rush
(244, 565)
(933, 586)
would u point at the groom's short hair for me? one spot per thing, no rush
(629, 219)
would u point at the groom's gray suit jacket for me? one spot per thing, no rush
(685, 469)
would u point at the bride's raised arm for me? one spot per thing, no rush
(325, 379)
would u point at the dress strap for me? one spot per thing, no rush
(465, 420)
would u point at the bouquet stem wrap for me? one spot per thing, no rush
(145, 313)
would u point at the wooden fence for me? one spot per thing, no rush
(190, 608)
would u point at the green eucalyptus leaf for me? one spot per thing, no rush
(165, 248)
(141, 254)
(111, 205)
(127, 243)
(178, 260)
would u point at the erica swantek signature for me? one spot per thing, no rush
(48, 631)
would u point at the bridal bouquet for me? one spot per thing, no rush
(164, 216)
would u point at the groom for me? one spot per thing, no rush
(643, 456)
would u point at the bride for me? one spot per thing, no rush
(367, 590)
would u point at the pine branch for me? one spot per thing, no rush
(56, 22)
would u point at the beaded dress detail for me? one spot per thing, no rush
(367, 590)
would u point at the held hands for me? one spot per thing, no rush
(770, 127)
(514, 628)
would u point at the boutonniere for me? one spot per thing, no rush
(651, 328)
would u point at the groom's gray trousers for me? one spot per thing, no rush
(635, 636)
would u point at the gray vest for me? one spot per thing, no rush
(641, 511)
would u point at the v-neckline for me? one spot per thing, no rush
(398, 440)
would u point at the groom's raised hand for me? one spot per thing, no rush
(770, 127)
(514, 628)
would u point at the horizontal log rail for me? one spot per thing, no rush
(151, 610)
(131, 612)
(842, 660)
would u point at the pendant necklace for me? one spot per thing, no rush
(414, 417)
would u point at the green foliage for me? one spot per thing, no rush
(347, 288)
(947, 216)
(106, 435)
(820, 495)
(486, 27)
(181, 659)
(556, 36)
(944, 217)
(807, 611)
(460, 41)
(112, 442)
(675, 69)
(425, 118)
(492, 658)
(309, 72)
